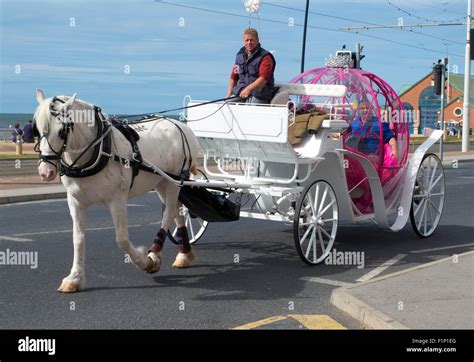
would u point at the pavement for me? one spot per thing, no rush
(422, 297)
(428, 296)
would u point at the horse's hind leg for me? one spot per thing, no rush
(185, 255)
(168, 193)
(118, 210)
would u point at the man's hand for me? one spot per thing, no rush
(245, 93)
(258, 84)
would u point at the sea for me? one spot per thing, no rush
(8, 121)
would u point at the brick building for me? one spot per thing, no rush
(424, 104)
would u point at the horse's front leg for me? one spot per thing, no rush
(118, 210)
(76, 279)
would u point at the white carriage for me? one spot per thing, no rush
(245, 148)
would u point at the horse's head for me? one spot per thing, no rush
(52, 125)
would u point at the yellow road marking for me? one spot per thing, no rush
(315, 321)
(261, 322)
(309, 321)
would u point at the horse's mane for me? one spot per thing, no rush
(42, 114)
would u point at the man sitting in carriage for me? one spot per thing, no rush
(252, 77)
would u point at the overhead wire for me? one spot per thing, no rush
(301, 25)
(422, 18)
(361, 22)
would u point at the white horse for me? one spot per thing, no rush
(76, 133)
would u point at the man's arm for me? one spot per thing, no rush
(232, 84)
(259, 83)
(234, 78)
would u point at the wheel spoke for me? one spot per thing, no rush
(305, 235)
(321, 241)
(315, 202)
(419, 206)
(191, 228)
(434, 207)
(310, 244)
(425, 218)
(326, 208)
(422, 215)
(434, 184)
(430, 215)
(433, 174)
(309, 205)
(438, 194)
(315, 249)
(426, 176)
(326, 233)
(323, 199)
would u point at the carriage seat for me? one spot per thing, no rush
(305, 124)
(282, 97)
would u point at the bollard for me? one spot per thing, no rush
(19, 146)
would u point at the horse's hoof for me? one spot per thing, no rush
(183, 260)
(155, 263)
(68, 287)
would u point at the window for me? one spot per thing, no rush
(410, 115)
(430, 104)
(457, 112)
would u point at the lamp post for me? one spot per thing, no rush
(466, 119)
(304, 35)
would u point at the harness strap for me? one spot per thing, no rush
(102, 147)
(184, 139)
(132, 137)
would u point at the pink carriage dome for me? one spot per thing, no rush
(378, 127)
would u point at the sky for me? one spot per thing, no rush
(139, 56)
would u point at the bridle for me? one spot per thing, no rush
(66, 128)
(101, 144)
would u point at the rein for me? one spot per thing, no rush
(102, 145)
(155, 114)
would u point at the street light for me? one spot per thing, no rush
(466, 119)
(304, 35)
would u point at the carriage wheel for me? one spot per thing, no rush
(315, 224)
(428, 196)
(195, 225)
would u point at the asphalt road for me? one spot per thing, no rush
(268, 280)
